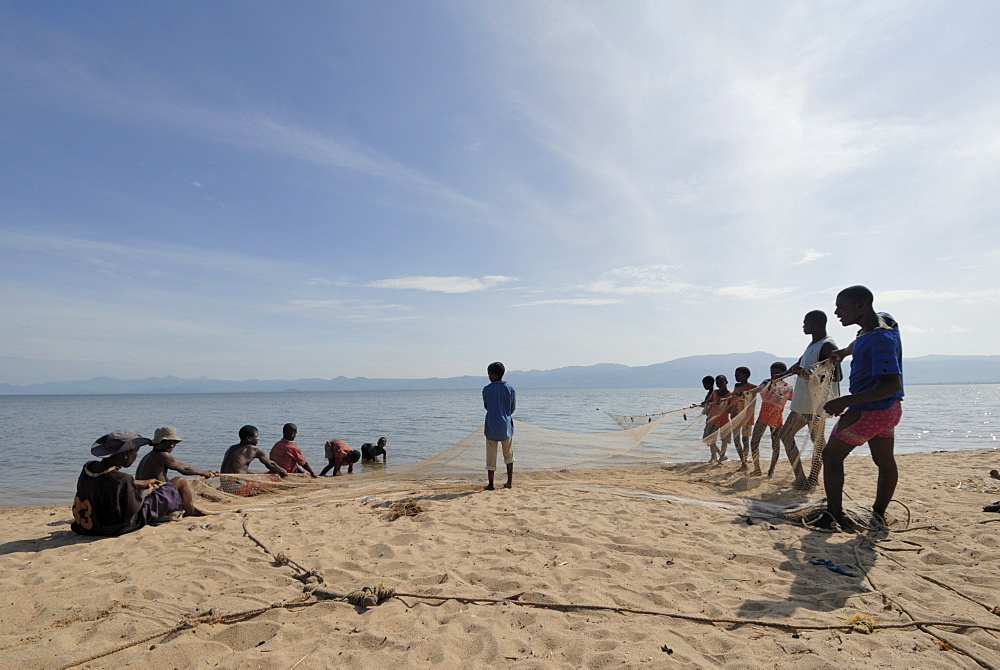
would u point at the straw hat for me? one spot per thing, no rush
(165, 433)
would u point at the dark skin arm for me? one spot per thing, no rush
(269, 464)
(841, 354)
(172, 463)
(307, 468)
(825, 352)
(886, 386)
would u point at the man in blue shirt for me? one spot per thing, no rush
(498, 399)
(873, 405)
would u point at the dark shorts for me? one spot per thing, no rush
(161, 502)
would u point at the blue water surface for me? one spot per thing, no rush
(46, 439)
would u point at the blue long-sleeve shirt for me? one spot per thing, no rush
(498, 399)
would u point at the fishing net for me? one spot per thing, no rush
(669, 435)
(673, 439)
(535, 449)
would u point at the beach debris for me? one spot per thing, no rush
(405, 508)
(839, 569)
(862, 623)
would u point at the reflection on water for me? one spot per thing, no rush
(46, 439)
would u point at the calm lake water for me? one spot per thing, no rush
(46, 439)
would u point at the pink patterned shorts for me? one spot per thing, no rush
(873, 423)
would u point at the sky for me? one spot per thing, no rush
(260, 190)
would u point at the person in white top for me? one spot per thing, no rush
(803, 408)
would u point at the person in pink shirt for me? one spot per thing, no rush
(287, 454)
(774, 393)
(741, 411)
(717, 408)
(338, 453)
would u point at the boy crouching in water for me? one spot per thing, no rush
(109, 502)
(499, 402)
(338, 454)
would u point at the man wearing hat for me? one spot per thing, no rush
(156, 463)
(110, 502)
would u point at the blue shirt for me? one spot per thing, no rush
(877, 353)
(498, 399)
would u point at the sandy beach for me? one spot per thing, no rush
(679, 566)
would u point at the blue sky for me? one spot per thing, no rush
(398, 189)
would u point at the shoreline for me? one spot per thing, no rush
(632, 566)
(380, 472)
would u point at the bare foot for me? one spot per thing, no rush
(756, 473)
(995, 474)
(488, 487)
(508, 485)
(742, 468)
(831, 522)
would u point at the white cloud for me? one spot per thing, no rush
(634, 280)
(444, 284)
(386, 306)
(144, 100)
(323, 281)
(98, 253)
(810, 256)
(315, 304)
(751, 291)
(903, 295)
(589, 302)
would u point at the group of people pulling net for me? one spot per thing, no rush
(730, 416)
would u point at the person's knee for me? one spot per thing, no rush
(884, 461)
(835, 452)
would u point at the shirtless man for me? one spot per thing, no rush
(156, 463)
(237, 461)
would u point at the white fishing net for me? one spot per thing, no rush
(671, 435)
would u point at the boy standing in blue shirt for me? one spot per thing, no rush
(498, 399)
(873, 405)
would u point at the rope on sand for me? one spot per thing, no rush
(305, 575)
(209, 617)
(924, 626)
(569, 607)
(371, 596)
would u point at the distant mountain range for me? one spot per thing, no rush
(678, 373)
